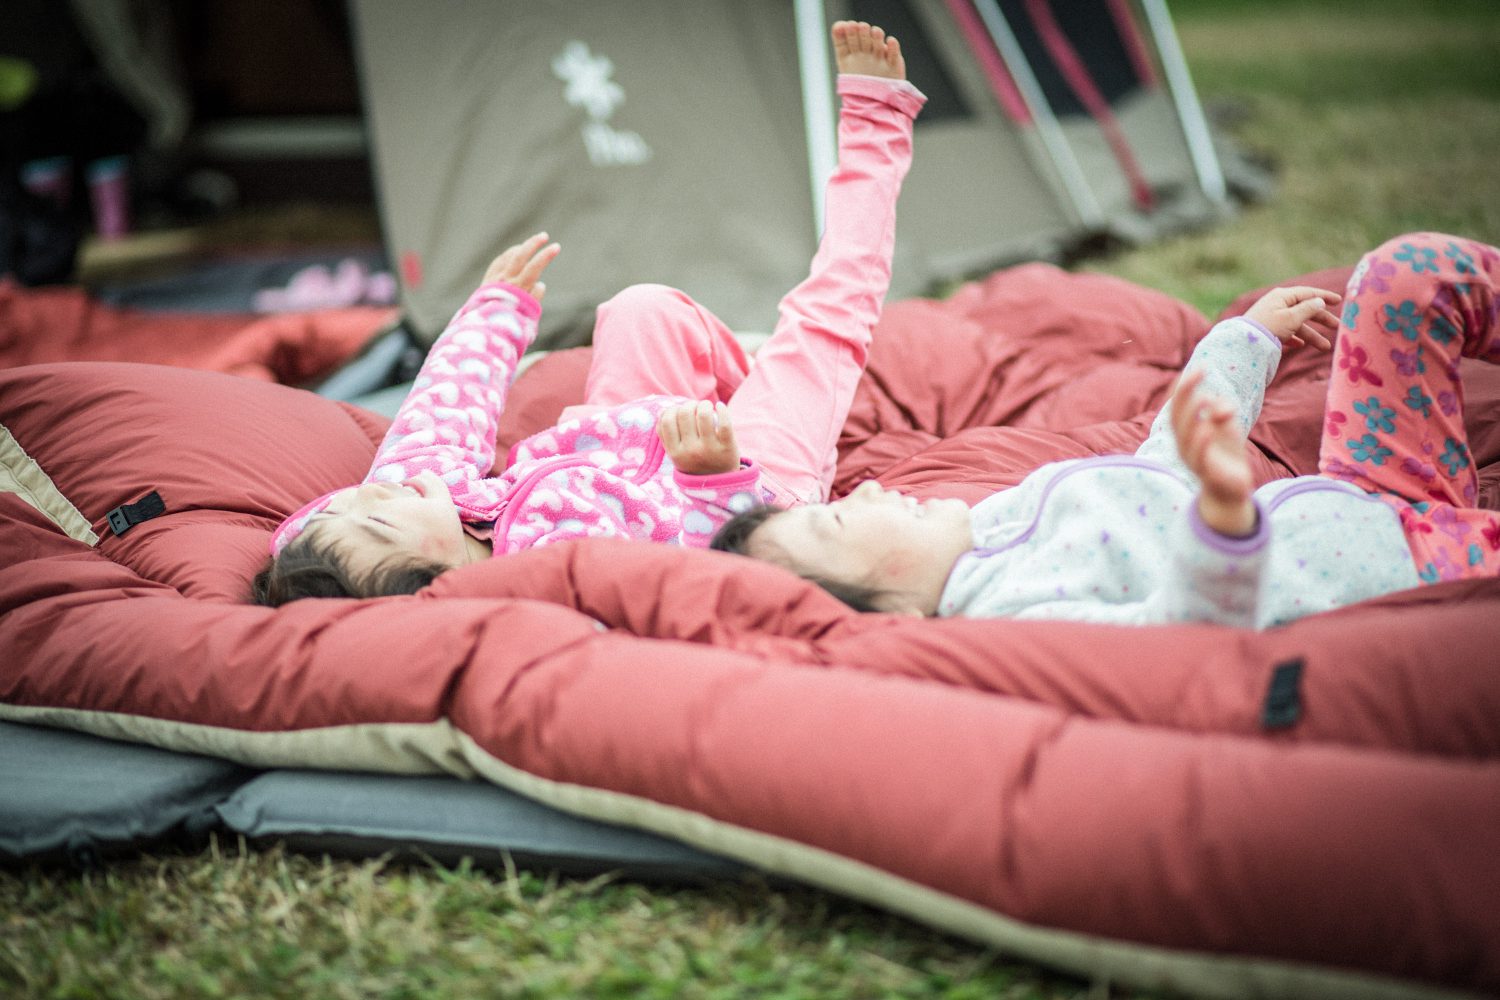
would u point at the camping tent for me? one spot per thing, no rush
(685, 141)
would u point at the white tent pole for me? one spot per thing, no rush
(1047, 126)
(1185, 96)
(818, 115)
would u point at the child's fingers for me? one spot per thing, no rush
(1193, 449)
(1294, 325)
(682, 417)
(1303, 292)
(1307, 333)
(666, 428)
(680, 425)
(703, 420)
(1306, 309)
(514, 254)
(1295, 294)
(533, 267)
(507, 264)
(1205, 432)
(724, 429)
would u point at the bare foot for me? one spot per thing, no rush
(864, 48)
(1214, 449)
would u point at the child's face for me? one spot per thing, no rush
(374, 522)
(872, 538)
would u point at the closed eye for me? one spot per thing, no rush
(384, 533)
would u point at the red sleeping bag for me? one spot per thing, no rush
(39, 325)
(1310, 810)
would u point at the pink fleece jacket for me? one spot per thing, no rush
(604, 475)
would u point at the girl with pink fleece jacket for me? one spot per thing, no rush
(654, 452)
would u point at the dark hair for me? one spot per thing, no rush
(734, 536)
(307, 569)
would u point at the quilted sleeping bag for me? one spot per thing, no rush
(1308, 811)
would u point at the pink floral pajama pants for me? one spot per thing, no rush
(1394, 424)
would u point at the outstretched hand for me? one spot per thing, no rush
(1298, 315)
(1212, 446)
(522, 265)
(699, 438)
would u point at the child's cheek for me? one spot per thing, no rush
(440, 550)
(896, 566)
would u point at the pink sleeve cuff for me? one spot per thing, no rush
(899, 94)
(740, 479)
(526, 303)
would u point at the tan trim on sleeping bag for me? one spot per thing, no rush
(1101, 959)
(19, 474)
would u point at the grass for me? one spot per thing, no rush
(1380, 118)
(1378, 121)
(266, 923)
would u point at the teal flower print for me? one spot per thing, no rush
(1377, 417)
(1420, 258)
(1428, 573)
(1351, 313)
(1455, 456)
(1368, 449)
(1419, 401)
(1404, 319)
(1476, 554)
(1442, 330)
(1463, 263)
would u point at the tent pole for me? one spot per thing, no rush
(1090, 212)
(818, 116)
(1189, 111)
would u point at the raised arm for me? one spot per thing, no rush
(1220, 548)
(1236, 360)
(447, 422)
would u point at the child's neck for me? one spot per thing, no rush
(477, 549)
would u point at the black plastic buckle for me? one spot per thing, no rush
(1283, 706)
(128, 515)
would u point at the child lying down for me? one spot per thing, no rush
(1176, 532)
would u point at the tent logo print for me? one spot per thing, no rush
(590, 88)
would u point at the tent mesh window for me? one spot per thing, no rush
(1093, 35)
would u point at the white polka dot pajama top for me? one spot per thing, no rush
(1118, 539)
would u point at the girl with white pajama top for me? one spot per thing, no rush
(1174, 532)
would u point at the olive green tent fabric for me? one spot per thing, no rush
(678, 141)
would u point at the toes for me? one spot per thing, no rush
(842, 31)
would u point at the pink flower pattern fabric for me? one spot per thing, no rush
(1394, 425)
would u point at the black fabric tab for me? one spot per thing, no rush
(128, 515)
(1283, 705)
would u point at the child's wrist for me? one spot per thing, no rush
(1233, 520)
(526, 304)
